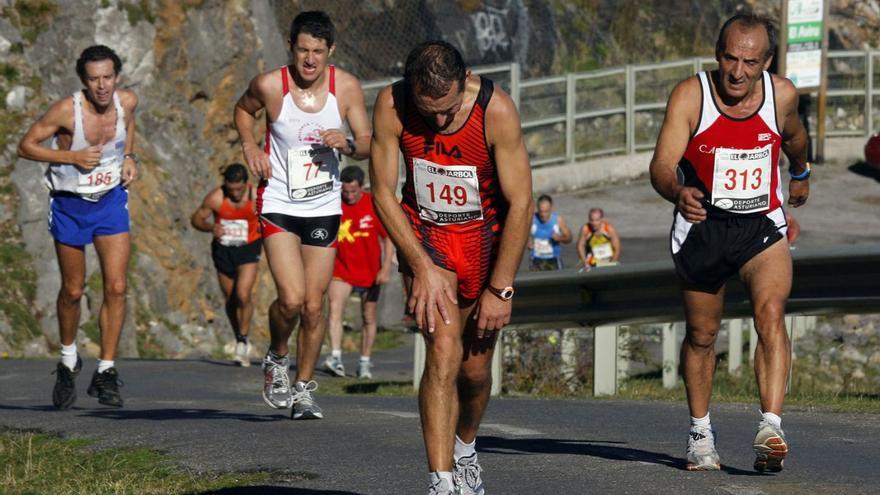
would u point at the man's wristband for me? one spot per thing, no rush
(351, 146)
(133, 156)
(803, 175)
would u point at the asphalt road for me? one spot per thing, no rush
(208, 415)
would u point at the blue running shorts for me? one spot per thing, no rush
(76, 222)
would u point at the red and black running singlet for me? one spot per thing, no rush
(240, 225)
(734, 161)
(451, 179)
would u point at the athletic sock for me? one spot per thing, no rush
(275, 357)
(337, 353)
(68, 355)
(701, 422)
(463, 449)
(441, 475)
(241, 338)
(365, 359)
(104, 365)
(773, 419)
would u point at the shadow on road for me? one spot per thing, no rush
(865, 170)
(604, 449)
(155, 414)
(169, 414)
(272, 490)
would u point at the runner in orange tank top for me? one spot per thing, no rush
(236, 249)
(460, 232)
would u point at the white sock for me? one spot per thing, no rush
(365, 359)
(441, 475)
(337, 353)
(105, 365)
(771, 418)
(68, 355)
(463, 449)
(701, 422)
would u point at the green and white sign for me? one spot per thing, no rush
(805, 30)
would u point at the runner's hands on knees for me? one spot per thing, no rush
(129, 171)
(257, 160)
(798, 191)
(87, 158)
(687, 200)
(491, 314)
(335, 139)
(430, 289)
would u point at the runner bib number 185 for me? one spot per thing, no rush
(447, 194)
(741, 179)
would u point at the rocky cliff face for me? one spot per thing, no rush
(188, 61)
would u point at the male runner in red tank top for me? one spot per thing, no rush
(717, 161)
(460, 231)
(235, 249)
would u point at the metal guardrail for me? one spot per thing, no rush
(619, 110)
(839, 279)
(826, 281)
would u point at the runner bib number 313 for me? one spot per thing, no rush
(741, 179)
(311, 171)
(447, 194)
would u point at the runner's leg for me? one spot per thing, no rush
(318, 263)
(703, 315)
(113, 253)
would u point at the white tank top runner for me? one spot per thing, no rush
(94, 183)
(305, 173)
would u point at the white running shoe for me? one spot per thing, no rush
(242, 354)
(334, 365)
(441, 487)
(467, 475)
(276, 382)
(304, 406)
(770, 448)
(365, 370)
(701, 453)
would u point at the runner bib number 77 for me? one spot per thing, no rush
(311, 171)
(741, 179)
(447, 194)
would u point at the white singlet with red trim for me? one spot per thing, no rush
(305, 173)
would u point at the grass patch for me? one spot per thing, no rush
(39, 463)
(19, 289)
(356, 386)
(386, 339)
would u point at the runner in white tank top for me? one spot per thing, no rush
(90, 165)
(91, 184)
(305, 171)
(299, 199)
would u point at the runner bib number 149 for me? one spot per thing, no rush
(447, 194)
(741, 179)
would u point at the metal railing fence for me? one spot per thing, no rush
(571, 117)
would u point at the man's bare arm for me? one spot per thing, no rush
(356, 116)
(58, 117)
(245, 116)
(794, 139)
(681, 112)
(209, 205)
(564, 236)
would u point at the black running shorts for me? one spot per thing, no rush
(227, 259)
(312, 231)
(708, 253)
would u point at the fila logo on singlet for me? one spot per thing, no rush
(440, 149)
